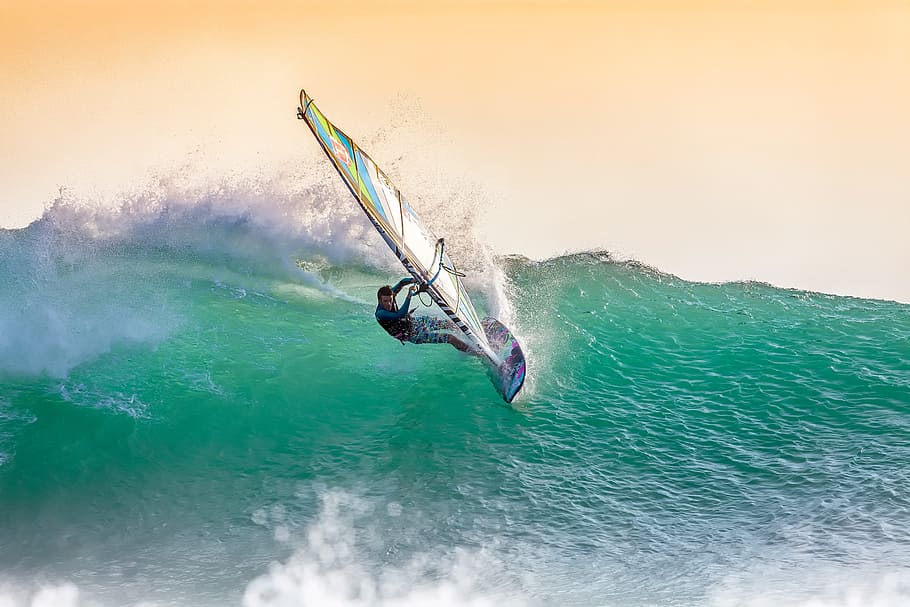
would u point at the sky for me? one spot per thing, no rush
(716, 141)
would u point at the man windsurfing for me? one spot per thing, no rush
(400, 324)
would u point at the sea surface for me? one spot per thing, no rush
(198, 408)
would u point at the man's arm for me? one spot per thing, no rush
(401, 283)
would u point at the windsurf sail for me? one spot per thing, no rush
(424, 257)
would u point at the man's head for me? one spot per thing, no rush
(386, 297)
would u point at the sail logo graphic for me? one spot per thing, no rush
(340, 151)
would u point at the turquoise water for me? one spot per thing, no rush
(188, 418)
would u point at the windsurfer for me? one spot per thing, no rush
(400, 324)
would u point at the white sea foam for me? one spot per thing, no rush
(69, 297)
(51, 595)
(52, 340)
(349, 555)
(329, 568)
(80, 395)
(54, 317)
(815, 585)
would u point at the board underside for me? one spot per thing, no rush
(509, 376)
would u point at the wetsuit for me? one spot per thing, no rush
(419, 330)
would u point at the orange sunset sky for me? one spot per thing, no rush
(714, 140)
